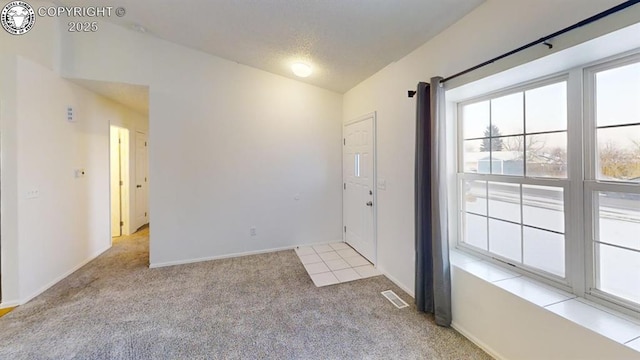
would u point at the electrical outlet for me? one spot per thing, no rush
(33, 193)
(252, 231)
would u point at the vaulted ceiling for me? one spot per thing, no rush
(345, 41)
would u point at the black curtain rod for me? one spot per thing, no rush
(543, 40)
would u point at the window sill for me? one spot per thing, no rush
(566, 305)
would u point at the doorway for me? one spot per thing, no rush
(142, 180)
(359, 179)
(119, 160)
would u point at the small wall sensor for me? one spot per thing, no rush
(70, 117)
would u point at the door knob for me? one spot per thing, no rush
(370, 203)
(138, 186)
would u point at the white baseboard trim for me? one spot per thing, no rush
(476, 341)
(9, 304)
(455, 326)
(217, 257)
(398, 283)
(232, 255)
(61, 277)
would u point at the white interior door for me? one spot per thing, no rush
(359, 190)
(142, 181)
(116, 183)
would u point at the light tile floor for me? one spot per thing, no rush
(334, 263)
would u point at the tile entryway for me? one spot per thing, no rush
(334, 263)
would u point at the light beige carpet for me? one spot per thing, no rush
(254, 307)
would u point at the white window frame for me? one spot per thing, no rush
(563, 183)
(578, 187)
(592, 185)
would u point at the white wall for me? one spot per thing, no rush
(495, 27)
(40, 44)
(9, 184)
(65, 225)
(230, 147)
(510, 327)
(48, 237)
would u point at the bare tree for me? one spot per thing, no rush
(557, 156)
(533, 149)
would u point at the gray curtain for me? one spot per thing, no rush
(433, 278)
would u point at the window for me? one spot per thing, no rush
(617, 121)
(515, 168)
(527, 170)
(613, 181)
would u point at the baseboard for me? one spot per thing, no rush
(476, 341)
(218, 257)
(61, 277)
(9, 304)
(398, 283)
(455, 326)
(232, 255)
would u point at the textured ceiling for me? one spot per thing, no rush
(345, 41)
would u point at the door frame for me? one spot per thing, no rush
(373, 116)
(137, 226)
(124, 135)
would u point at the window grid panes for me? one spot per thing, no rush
(519, 223)
(616, 201)
(522, 135)
(519, 134)
(518, 197)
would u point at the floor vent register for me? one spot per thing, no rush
(395, 299)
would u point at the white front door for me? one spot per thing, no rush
(359, 190)
(142, 211)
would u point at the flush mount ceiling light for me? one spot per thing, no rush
(301, 69)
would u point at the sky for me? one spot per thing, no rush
(545, 109)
